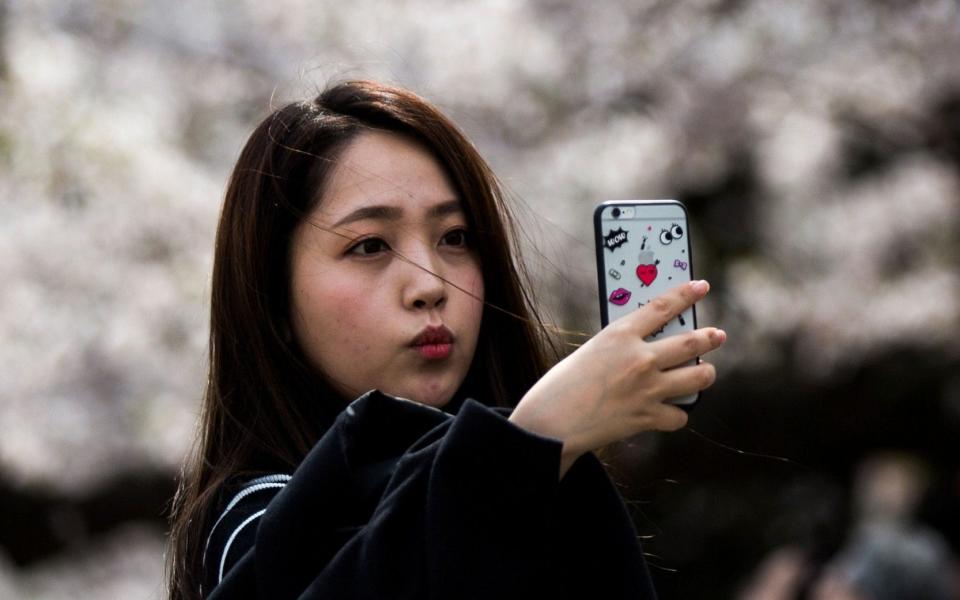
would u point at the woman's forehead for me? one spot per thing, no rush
(383, 174)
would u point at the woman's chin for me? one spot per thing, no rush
(430, 394)
(434, 400)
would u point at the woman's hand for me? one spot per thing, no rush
(615, 385)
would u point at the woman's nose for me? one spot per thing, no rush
(425, 286)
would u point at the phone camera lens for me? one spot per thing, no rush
(616, 213)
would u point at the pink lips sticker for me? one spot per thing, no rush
(620, 296)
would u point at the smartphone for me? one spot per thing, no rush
(643, 250)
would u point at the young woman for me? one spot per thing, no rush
(379, 420)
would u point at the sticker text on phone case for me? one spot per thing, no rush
(615, 239)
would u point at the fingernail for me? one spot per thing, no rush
(700, 286)
(721, 336)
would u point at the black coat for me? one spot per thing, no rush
(401, 500)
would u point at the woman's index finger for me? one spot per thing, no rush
(666, 306)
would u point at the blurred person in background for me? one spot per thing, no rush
(364, 245)
(888, 555)
(890, 562)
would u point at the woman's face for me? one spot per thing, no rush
(386, 290)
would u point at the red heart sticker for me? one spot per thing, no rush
(647, 273)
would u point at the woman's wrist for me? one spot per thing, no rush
(567, 458)
(527, 419)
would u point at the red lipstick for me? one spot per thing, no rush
(433, 343)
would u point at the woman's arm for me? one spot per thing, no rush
(472, 509)
(614, 386)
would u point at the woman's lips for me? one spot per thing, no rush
(433, 342)
(435, 351)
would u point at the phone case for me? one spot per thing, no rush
(643, 250)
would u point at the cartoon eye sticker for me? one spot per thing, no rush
(668, 235)
(620, 296)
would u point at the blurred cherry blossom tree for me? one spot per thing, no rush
(816, 143)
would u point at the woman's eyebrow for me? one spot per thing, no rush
(377, 212)
(384, 212)
(448, 207)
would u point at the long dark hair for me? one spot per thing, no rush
(264, 406)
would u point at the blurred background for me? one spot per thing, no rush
(816, 144)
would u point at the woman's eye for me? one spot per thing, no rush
(676, 231)
(665, 237)
(457, 237)
(369, 246)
